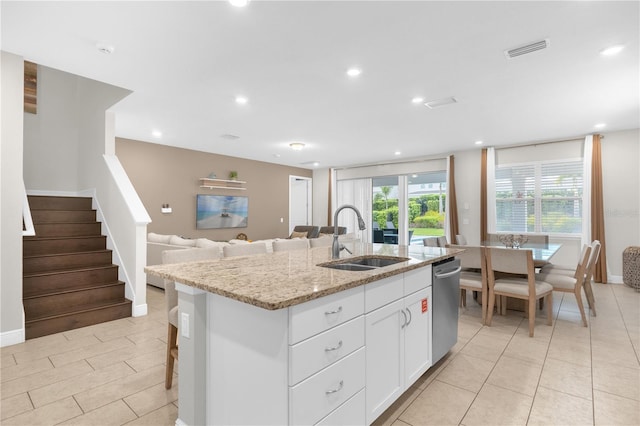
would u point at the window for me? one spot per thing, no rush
(543, 197)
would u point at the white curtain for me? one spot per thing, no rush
(358, 193)
(491, 190)
(586, 189)
(447, 224)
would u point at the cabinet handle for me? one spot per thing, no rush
(335, 348)
(410, 317)
(404, 314)
(337, 311)
(340, 386)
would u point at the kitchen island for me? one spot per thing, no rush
(278, 339)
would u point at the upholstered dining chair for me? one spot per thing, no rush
(571, 284)
(171, 300)
(442, 241)
(310, 231)
(328, 230)
(244, 249)
(473, 276)
(430, 242)
(461, 240)
(520, 262)
(568, 270)
(294, 244)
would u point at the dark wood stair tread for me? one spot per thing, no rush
(79, 309)
(67, 270)
(71, 253)
(73, 290)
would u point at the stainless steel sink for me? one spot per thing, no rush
(350, 267)
(364, 263)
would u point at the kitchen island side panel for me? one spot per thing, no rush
(247, 364)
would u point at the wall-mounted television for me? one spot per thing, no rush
(221, 211)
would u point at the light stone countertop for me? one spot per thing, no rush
(282, 279)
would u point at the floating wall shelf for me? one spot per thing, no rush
(222, 184)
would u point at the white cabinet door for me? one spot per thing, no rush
(385, 357)
(417, 335)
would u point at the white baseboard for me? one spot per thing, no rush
(139, 310)
(12, 337)
(615, 279)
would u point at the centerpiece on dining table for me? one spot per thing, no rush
(512, 240)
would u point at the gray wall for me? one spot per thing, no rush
(11, 197)
(168, 175)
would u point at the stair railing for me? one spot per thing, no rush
(27, 221)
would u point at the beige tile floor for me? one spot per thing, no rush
(113, 373)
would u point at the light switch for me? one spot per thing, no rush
(282, 220)
(184, 326)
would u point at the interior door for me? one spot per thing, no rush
(300, 201)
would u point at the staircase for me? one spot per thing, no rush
(69, 280)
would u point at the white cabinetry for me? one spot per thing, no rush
(339, 359)
(398, 337)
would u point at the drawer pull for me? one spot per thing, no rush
(337, 311)
(335, 348)
(338, 389)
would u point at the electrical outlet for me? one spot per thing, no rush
(184, 326)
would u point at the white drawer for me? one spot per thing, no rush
(350, 413)
(417, 279)
(379, 293)
(316, 316)
(325, 391)
(312, 355)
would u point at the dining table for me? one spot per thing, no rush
(542, 253)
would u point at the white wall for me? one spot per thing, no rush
(320, 197)
(621, 187)
(11, 196)
(621, 180)
(69, 148)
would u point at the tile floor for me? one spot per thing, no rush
(113, 373)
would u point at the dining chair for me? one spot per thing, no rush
(296, 244)
(171, 300)
(442, 241)
(519, 262)
(244, 249)
(461, 240)
(569, 270)
(571, 284)
(430, 242)
(590, 270)
(473, 276)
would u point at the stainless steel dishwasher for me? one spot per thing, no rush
(446, 297)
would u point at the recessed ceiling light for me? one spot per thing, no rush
(417, 100)
(600, 125)
(296, 146)
(613, 50)
(239, 3)
(354, 72)
(478, 142)
(156, 134)
(241, 100)
(397, 153)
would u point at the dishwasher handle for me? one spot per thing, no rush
(448, 274)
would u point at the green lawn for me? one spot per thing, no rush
(428, 232)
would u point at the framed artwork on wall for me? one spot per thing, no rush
(221, 211)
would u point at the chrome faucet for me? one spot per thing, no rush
(336, 247)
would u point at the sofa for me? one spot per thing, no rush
(158, 243)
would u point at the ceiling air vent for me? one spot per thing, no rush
(440, 102)
(230, 137)
(523, 50)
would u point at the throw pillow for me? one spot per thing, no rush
(295, 234)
